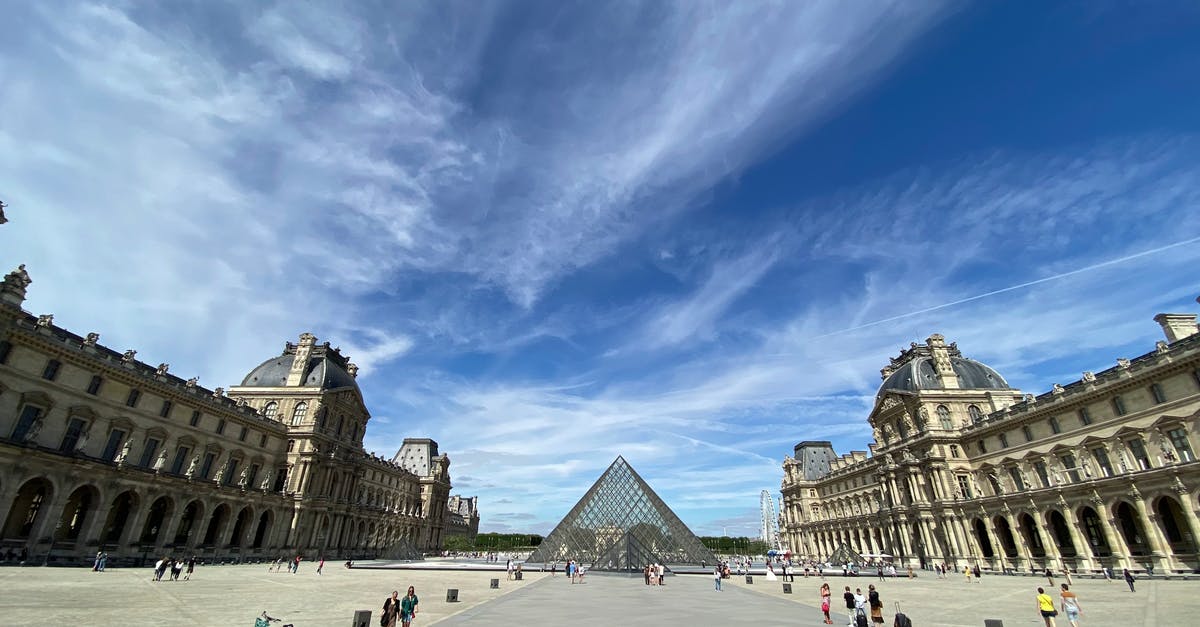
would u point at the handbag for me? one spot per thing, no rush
(825, 605)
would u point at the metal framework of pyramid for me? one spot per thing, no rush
(620, 524)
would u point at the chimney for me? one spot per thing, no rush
(300, 361)
(941, 361)
(1177, 326)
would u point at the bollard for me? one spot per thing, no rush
(787, 588)
(452, 595)
(749, 578)
(993, 622)
(495, 584)
(362, 618)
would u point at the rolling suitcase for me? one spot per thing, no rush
(860, 618)
(901, 618)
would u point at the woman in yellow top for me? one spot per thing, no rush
(1046, 607)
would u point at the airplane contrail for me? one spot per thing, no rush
(1096, 266)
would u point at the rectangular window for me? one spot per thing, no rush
(280, 480)
(166, 409)
(207, 464)
(1118, 405)
(1003, 440)
(133, 398)
(1195, 373)
(113, 445)
(1156, 392)
(148, 453)
(195, 418)
(982, 447)
(221, 426)
(291, 445)
(262, 441)
(964, 486)
(1102, 461)
(1138, 449)
(1028, 433)
(29, 415)
(1054, 426)
(231, 472)
(1068, 462)
(1085, 416)
(1179, 440)
(50, 372)
(251, 475)
(953, 450)
(243, 434)
(1016, 479)
(1040, 469)
(181, 458)
(93, 387)
(6, 348)
(75, 429)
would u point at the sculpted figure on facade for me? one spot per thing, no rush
(128, 356)
(266, 481)
(91, 339)
(34, 429)
(124, 455)
(243, 479)
(161, 370)
(191, 470)
(45, 321)
(83, 438)
(221, 465)
(18, 278)
(193, 382)
(161, 461)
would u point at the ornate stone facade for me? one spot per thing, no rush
(1101, 472)
(464, 517)
(99, 451)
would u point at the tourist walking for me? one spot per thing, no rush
(176, 569)
(320, 565)
(1046, 607)
(391, 610)
(967, 573)
(876, 605)
(1050, 576)
(1070, 605)
(977, 573)
(408, 607)
(825, 599)
(95, 564)
(191, 565)
(296, 565)
(860, 608)
(1129, 579)
(716, 578)
(103, 561)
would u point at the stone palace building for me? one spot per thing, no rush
(101, 452)
(966, 470)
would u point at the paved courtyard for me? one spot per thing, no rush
(234, 595)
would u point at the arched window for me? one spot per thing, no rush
(944, 417)
(271, 410)
(976, 415)
(300, 412)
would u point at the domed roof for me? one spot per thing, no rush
(322, 371)
(918, 374)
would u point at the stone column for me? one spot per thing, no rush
(1159, 549)
(1083, 550)
(1019, 538)
(1189, 514)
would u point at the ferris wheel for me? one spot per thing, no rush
(770, 520)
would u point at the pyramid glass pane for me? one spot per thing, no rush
(620, 524)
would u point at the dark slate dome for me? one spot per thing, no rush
(322, 371)
(918, 374)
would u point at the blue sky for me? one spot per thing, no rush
(554, 232)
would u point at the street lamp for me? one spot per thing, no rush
(53, 537)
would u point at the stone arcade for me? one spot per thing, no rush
(99, 451)
(965, 469)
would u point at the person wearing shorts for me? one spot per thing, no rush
(1046, 607)
(1070, 605)
(408, 607)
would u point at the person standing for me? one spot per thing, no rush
(826, 597)
(1046, 607)
(320, 564)
(96, 564)
(103, 561)
(1129, 579)
(879, 571)
(716, 578)
(876, 605)
(1050, 576)
(391, 610)
(1070, 605)
(977, 572)
(408, 607)
(296, 565)
(848, 598)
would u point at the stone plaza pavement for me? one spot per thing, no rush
(234, 595)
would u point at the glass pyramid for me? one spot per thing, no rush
(621, 525)
(844, 555)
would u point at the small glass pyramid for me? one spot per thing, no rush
(620, 524)
(844, 555)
